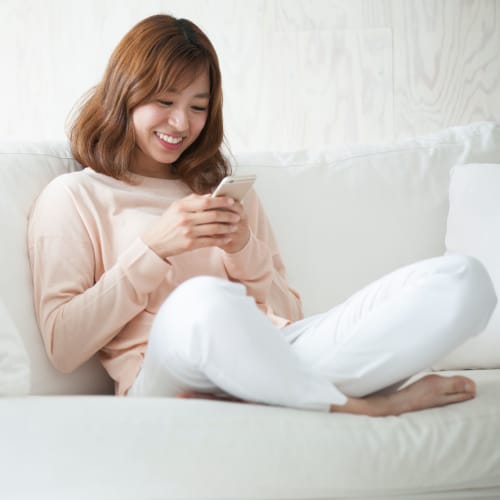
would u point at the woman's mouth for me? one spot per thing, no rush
(168, 141)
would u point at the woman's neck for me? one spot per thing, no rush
(142, 165)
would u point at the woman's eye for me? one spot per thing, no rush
(199, 108)
(165, 103)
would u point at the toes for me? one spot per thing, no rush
(458, 397)
(451, 389)
(460, 385)
(457, 384)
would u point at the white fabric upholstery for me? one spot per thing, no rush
(345, 218)
(474, 229)
(159, 448)
(14, 362)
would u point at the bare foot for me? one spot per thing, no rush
(428, 392)
(206, 395)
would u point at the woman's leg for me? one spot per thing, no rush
(398, 325)
(209, 336)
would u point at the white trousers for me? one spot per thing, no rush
(209, 336)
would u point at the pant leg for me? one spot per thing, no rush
(398, 325)
(209, 335)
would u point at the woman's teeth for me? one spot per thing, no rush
(168, 138)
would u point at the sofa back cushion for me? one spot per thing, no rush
(14, 361)
(345, 218)
(25, 169)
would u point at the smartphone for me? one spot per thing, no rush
(235, 186)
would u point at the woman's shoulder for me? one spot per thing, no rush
(72, 180)
(72, 185)
(64, 181)
(62, 195)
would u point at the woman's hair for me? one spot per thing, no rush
(157, 54)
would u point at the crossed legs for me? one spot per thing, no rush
(210, 338)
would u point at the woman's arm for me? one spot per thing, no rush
(259, 266)
(77, 313)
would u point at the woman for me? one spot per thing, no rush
(183, 294)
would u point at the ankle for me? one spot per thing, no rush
(372, 406)
(377, 405)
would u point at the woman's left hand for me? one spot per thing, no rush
(240, 237)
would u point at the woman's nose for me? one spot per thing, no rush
(178, 119)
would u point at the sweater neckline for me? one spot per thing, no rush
(142, 181)
(154, 182)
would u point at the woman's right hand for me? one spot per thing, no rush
(195, 221)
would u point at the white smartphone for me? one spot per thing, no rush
(235, 186)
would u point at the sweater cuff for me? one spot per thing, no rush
(251, 262)
(143, 267)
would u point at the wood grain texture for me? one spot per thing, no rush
(321, 88)
(297, 73)
(446, 63)
(291, 15)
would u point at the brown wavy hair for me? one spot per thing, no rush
(155, 55)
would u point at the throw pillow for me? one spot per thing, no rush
(14, 362)
(473, 228)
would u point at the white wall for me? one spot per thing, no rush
(297, 73)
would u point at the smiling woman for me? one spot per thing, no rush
(182, 293)
(163, 74)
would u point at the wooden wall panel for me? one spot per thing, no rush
(297, 73)
(310, 89)
(446, 63)
(292, 15)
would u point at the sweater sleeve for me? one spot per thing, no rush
(77, 314)
(260, 268)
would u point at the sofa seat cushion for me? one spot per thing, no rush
(104, 447)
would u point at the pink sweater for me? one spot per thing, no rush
(97, 286)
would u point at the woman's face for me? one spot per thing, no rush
(167, 126)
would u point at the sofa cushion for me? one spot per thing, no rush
(25, 168)
(14, 362)
(162, 448)
(473, 228)
(345, 218)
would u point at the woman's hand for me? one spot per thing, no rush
(241, 235)
(199, 221)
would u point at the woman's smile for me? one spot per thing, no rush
(167, 125)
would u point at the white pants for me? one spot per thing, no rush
(209, 336)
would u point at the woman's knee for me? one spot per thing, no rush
(198, 316)
(472, 294)
(473, 278)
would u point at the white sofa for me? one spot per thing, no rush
(342, 218)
